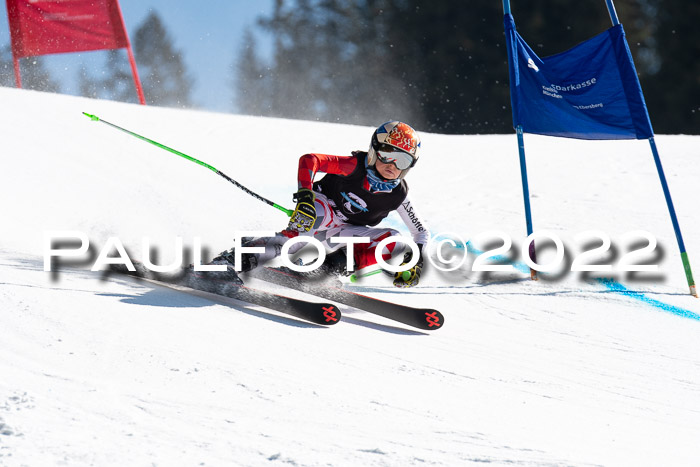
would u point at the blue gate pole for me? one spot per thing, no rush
(674, 219)
(526, 197)
(506, 7)
(523, 176)
(664, 186)
(613, 13)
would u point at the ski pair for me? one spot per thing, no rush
(319, 313)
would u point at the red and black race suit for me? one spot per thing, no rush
(354, 203)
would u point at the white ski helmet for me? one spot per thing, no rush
(394, 142)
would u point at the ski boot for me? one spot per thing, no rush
(216, 281)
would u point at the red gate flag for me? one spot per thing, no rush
(41, 27)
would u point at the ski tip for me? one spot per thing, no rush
(94, 118)
(433, 320)
(331, 314)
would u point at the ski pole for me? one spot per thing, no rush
(406, 275)
(95, 118)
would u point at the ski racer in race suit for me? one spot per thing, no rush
(356, 193)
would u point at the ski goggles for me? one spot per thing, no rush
(391, 155)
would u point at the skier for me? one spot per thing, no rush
(356, 193)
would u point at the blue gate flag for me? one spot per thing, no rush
(588, 92)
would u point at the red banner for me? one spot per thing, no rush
(41, 27)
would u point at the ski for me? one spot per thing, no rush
(319, 313)
(423, 318)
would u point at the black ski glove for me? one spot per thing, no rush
(304, 215)
(410, 277)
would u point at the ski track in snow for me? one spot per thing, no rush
(113, 371)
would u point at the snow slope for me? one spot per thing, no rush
(562, 371)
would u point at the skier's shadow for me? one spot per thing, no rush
(154, 297)
(382, 327)
(162, 296)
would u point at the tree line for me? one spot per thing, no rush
(440, 65)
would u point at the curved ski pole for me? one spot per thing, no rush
(95, 118)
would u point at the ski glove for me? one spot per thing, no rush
(304, 215)
(410, 277)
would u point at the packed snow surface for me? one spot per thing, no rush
(567, 370)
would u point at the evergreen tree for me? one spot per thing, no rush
(371, 79)
(32, 70)
(251, 82)
(457, 60)
(295, 84)
(115, 81)
(327, 66)
(35, 75)
(118, 83)
(87, 85)
(166, 81)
